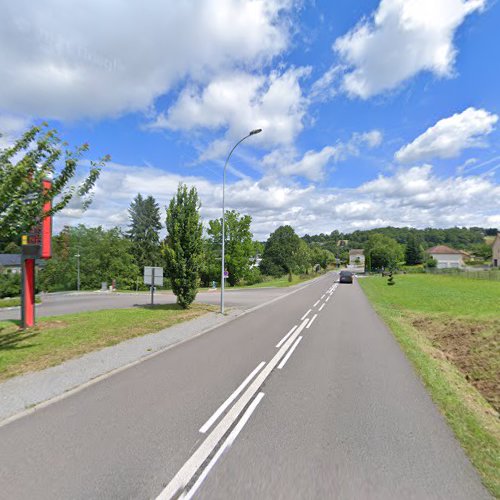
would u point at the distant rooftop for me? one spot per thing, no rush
(10, 259)
(443, 249)
(356, 251)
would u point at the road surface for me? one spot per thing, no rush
(55, 304)
(331, 410)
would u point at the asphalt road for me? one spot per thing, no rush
(335, 411)
(74, 302)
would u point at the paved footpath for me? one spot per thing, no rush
(308, 397)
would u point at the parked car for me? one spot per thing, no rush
(345, 277)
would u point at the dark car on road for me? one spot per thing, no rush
(345, 277)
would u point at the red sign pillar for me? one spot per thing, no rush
(39, 245)
(28, 292)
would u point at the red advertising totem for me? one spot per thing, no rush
(37, 244)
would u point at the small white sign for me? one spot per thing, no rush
(153, 276)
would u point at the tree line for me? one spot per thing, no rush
(189, 251)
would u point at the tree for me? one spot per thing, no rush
(12, 248)
(105, 255)
(385, 252)
(144, 231)
(37, 155)
(239, 247)
(184, 244)
(413, 253)
(280, 252)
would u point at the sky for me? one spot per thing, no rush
(373, 113)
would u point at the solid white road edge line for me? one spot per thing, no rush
(227, 443)
(311, 322)
(230, 399)
(196, 460)
(322, 305)
(280, 343)
(317, 302)
(289, 353)
(303, 317)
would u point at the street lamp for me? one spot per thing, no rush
(253, 132)
(78, 270)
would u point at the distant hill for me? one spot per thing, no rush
(461, 238)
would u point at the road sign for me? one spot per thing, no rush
(153, 276)
(226, 274)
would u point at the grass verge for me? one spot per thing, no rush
(281, 282)
(16, 301)
(450, 331)
(59, 338)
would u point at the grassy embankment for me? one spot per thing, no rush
(59, 338)
(16, 301)
(450, 330)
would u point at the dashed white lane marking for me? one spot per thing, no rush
(322, 305)
(283, 340)
(227, 443)
(323, 296)
(198, 458)
(311, 321)
(327, 299)
(230, 399)
(304, 317)
(317, 302)
(289, 353)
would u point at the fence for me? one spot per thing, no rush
(486, 274)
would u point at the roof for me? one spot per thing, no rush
(443, 249)
(356, 251)
(10, 259)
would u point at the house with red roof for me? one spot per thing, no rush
(447, 257)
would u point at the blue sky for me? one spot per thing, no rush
(374, 112)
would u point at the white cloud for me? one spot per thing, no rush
(59, 60)
(450, 136)
(411, 197)
(239, 102)
(11, 127)
(401, 39)
(313, 164)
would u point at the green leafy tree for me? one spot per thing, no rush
(12, 248)
(413, 253)
(184, 245)
(238, 243)
(280, 252)
(37, 155)
(144, 231)
(105, 255)
(384, 251)
(303, 258)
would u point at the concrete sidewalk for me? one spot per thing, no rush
(21, 394)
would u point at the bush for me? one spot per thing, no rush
(253, 276)
(431, 263)
(10, 284)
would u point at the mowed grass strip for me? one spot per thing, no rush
(59, 338)
(450, 330)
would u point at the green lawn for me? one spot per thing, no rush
(16, 301)
(449, 328)
(59, 338)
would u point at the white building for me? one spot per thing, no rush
(446, 257)
(357, 260)
(496, 252)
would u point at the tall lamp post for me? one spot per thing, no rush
(78, 270)
(253, 132)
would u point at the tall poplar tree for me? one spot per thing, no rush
(184, 245)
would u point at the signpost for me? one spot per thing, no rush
(153, 276)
